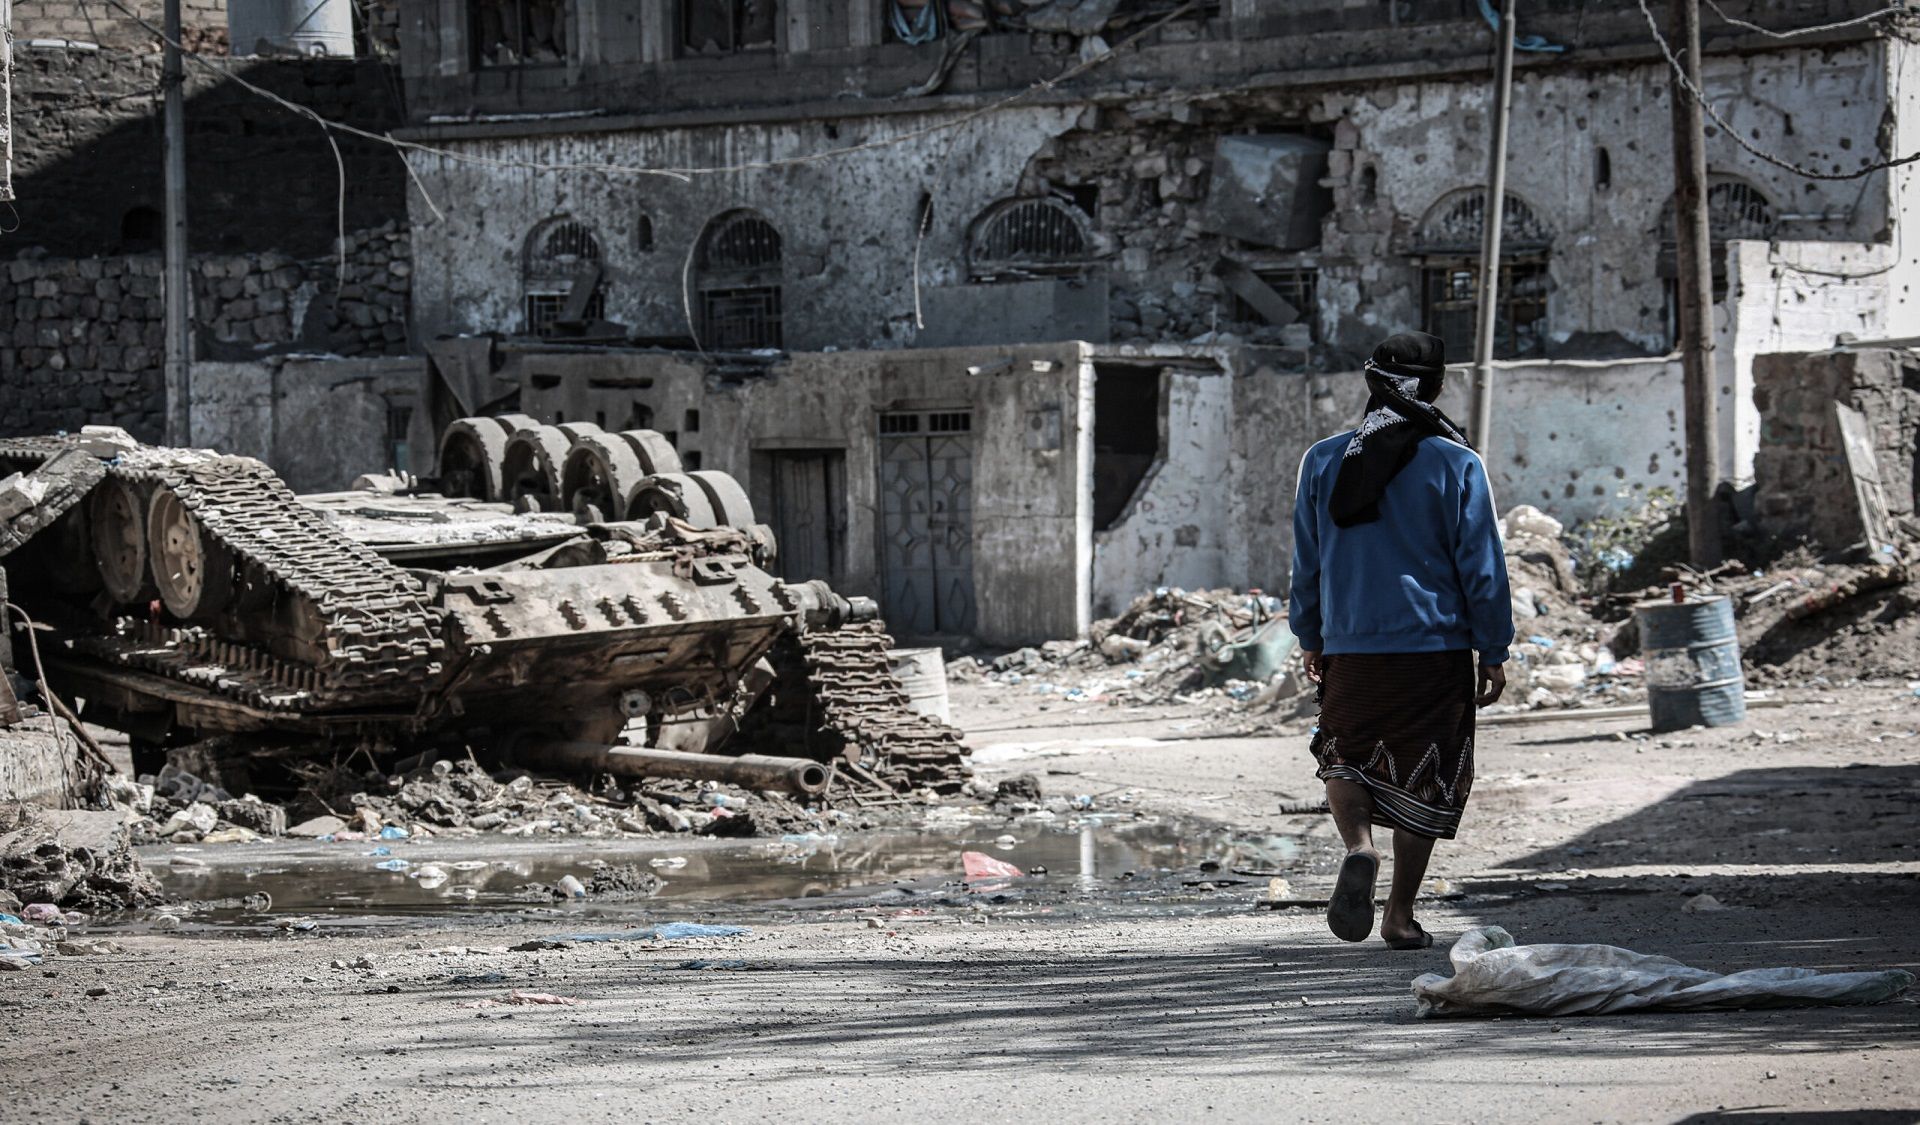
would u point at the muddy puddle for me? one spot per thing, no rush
(1092, 867)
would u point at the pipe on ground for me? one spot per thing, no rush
(801, 776)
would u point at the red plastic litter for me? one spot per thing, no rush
(979, 865)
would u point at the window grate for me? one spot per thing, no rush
(1300, 288)
(543, 311)
(1456, 226)
(742, 241)
(1451, 305)
(899, 424)
(561, 248)
(952, 422)
(1031, 235)
(744, 319)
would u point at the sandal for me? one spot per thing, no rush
(1420, 940)
(1350, 910)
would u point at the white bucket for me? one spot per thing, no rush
(922, 673)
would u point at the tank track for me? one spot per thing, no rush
(378, 637)
(853, 701)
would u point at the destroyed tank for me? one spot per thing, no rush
(555, 587)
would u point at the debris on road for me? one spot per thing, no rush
(77, 860)
(1493, 975)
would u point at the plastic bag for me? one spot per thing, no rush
(1492, 976)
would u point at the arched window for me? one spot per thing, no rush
(737, 283)
(1042, 237)
(1447, 247)
(1735, 210)
(561, 278)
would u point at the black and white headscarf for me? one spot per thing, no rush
(1403, 378)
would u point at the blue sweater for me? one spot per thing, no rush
(1430, 575)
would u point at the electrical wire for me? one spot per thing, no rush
(1771, 34)
(1684, 83)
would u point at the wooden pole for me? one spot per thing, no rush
(1487, 311)
(1693, 242)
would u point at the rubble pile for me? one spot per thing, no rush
(1563, 655)
(458, 797)
(69, 860)
(1807, 623)
(1226, 647)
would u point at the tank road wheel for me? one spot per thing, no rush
(600, 470)
(728, 500)
(514, 423)
(676, 494)
(472, 452)
(117, 523)
(193, 570)
(656, 453)
(578, 431)
(530, 472)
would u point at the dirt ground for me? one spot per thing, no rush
(1802, 823)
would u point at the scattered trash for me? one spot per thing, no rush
(1701, 904)
(393, 865)
(517, 997)
(477, 978)
(393, 832)
(980, 865)
(87, 947)
(662, 931)
(1493, 975)
(44, 913)
(573, 887)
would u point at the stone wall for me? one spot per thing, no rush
(87, 153)
(82, 340)
(1800, 470)
(203, 23)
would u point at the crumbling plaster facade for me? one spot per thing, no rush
(1214, 510)
(1030, 528)
(856, 269)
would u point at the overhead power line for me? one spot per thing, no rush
(1682, 81)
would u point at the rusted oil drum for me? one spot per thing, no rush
(1693, 663)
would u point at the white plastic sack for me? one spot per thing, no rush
(1529, 520)
(1493, 976)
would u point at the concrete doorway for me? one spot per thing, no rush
(926, 521)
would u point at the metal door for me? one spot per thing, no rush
(926, 521)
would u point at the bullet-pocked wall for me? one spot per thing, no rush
(870, 240)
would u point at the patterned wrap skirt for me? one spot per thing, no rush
(1401, 724)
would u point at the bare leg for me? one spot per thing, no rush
(1411, 852)
(1352, 814)
(1350, 907)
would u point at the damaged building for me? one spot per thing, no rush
(1002, 312)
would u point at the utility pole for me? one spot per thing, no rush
(176, 285)
(1694, 244)
(1487, 309)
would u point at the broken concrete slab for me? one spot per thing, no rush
(317, 827)
(76, 859)
(31, 502)
(1266, 190)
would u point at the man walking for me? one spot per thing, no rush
(1399, 578)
